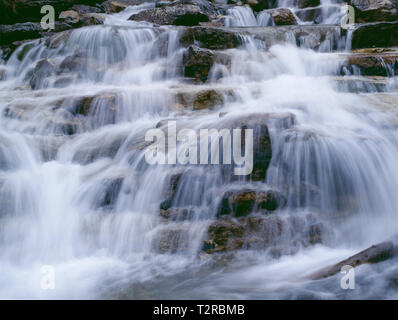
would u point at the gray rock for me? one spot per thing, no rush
(43, 69)
(243, 202)
(180, 15)
(262, 147)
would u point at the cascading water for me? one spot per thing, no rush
(77, 194)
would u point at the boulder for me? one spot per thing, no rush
(179, 15)
(224, 235)
(43, 69)
(281, 16)
(374, 254)
(93, 111)
(243, 202)
(210, 38)
(69, 16)
(92, 19)
(116, 6)
(108, 195)
(80, 63)
(199, 100)
(309, 14)
(73, 63)
(25, 48)
(207, 99)
(382, 34)
(262, 147)
(57, 40)
(280, 235)
(375, 10)
(197, 62)
(171, 191)
(82, 106)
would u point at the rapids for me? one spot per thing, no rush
(76, 193)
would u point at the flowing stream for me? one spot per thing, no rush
(76, 192)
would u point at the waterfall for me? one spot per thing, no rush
(77, 194)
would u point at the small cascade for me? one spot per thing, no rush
(78, 194)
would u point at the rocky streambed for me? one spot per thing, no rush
(76, 192)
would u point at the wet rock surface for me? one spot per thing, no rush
(262, 146)
(372, 62)
(382, 34)
(281, 235)
(171, 240)
(375, 10)
(197, 62)
(203, 99)
(179, 15)
(211, 38)
(281, 17)
(244, 202)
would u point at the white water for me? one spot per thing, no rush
(56, 208)
(328, 12)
